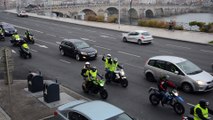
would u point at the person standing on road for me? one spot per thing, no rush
(201, 110)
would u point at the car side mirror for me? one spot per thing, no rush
(176, 72)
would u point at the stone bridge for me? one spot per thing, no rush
(136, 11)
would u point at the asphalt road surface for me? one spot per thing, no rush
(133, 99)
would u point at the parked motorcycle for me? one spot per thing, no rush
(174, 100)
(2, 38)
(25, 53)
(95, 89)
(29, 39)
(119, 77)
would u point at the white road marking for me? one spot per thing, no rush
(37, 25)
(76, 28)
(58, 43)
(47, 42)
(190, 104)
(27, 28)
(43, 46)
(65, 61)
(87, 39)
(63, 37)
(51, 35)
(101, 47)
(164, 51)
(90, 30)
(177, 46)
(13, 51)
(207, 51)
(104, 36)
(133, 65)
(33, 50)
(70, 32)
(128, 54)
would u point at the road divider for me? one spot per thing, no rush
(129, 54)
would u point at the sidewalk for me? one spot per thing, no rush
(188, 36)
(17, 103)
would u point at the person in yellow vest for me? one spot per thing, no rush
(107, 63)
(201, 110)
(113, 68)
(15, 36)
(24, 46)
(93, 75)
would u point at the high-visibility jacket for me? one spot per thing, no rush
(25, 46)
(107, 65)
(93, 75)
(16, 37)
(204, 112)
(1, 30)
(113, 67)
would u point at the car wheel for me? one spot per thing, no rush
(77, 57)
(62, 52)
(187, 87)
(139, 42)
(150, 77)
(124, 39)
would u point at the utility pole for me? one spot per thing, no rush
(130, 12)
(119, 13)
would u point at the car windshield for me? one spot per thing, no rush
(189, 68)
(81, 45)
(145, 34)
(122, 116)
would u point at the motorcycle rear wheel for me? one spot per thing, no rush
(103, 94)
(84, 88)
(124, 83)
(179, 108)
(154, 99)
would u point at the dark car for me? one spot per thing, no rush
(78, 49)
(8, 28)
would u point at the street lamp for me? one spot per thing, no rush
(130, 12)
(119, 13)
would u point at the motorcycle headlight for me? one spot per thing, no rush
(83, 53)
(199, 82)
(122, 73)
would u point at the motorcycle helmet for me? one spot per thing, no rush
(93, 68)
(87, 64)
(203, 103)
(115, 60)
(108, 56)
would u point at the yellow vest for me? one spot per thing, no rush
(204, 112)
(93, 75)
(113, 67)
(106, 63)
(25, 46)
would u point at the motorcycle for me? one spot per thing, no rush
(119, 78)
(2, 37)
(25, 53)
(95, 88)
(30, 39)
(174, 100)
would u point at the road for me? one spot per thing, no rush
(133, 99)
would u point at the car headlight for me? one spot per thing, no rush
(199, 82)
(83, 53)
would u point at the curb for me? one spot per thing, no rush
(114, 30)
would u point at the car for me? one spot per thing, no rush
(90, 110)
(182, 72)
(22, 14)
(78, 49)
(8, 29)
(137, 36)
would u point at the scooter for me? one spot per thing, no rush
(95, 88)
(119, 77)
(25, 53)
(29, 39)
(174, 100)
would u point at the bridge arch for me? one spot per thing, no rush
(112, 11)
(100, 12)
(88, 12)
(133, 13)
(149, 13)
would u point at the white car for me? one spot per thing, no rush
(137, 36)
(22, 14)
(90, 110)
(181, 72)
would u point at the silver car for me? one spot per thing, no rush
(181, 72)
(90, 110)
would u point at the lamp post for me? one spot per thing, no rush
(130, 12)
(119, 13)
